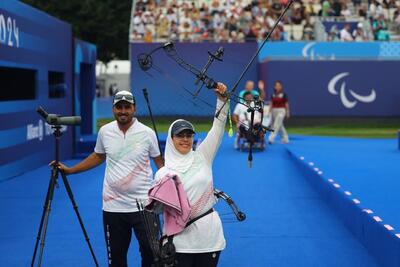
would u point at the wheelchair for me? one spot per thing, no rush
(257, 137)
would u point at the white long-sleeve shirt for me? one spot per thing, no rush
(205, 234)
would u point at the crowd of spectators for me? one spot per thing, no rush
(246, 20)
(216, 20)
(375, 18)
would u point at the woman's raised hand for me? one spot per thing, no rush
(221, 91)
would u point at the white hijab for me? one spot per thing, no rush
(174, 160)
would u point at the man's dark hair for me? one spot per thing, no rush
(246, 94)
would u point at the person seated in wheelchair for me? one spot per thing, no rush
(242, 118)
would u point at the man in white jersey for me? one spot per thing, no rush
(127, 146)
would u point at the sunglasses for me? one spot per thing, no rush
(184, 135)
(123, 97)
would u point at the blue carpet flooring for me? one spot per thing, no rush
(287, 224)
(368, 168)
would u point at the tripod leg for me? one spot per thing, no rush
(75, 206)
(45, 217)
(46, 203)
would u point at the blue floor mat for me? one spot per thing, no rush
(287, 222)
(368, 168)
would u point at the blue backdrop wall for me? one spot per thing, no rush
(337, 88)
(85, 86)
(35, 43)
(166, 92)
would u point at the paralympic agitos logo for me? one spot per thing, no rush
(343, 92)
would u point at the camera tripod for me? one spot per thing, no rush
(55, 171)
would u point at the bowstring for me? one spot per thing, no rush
(151, 228)
(179, 85)
(182, 63)
(258, 51)
(236, 98)
(166, 75)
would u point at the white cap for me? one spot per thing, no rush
(124, 96)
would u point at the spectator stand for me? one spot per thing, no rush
(240, 21)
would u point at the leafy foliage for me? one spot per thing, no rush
(104, 23)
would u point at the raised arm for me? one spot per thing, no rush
(211, 143)
(261, 88)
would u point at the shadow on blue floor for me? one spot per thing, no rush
(288, 224)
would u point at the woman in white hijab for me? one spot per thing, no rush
(200, 243)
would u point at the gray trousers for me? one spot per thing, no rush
(277, 116)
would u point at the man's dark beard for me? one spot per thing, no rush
(125, 122)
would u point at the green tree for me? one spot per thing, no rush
(102, 22)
